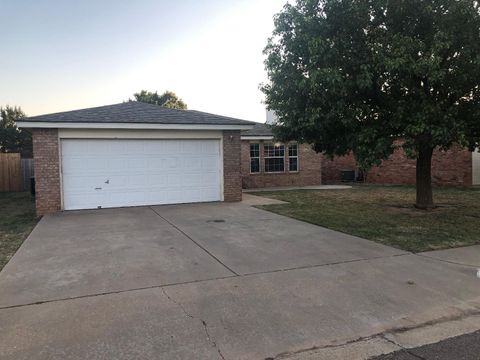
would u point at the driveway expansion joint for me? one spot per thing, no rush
(210, 339)
(195, 242)
(160, 286)
(111, 293)
(322, 265)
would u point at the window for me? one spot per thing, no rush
(274, 157)
(254, 158)
(292, 157)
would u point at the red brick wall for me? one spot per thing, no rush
(310, 169)
(331, 168)
(232, 178)
(47, 170)
(452, 167)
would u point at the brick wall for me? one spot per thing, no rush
(47, 170)
(232, 178)
(331, 168)
(310, 169)
(449, 168)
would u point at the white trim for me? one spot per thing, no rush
(274, 157)
(222, 178)
(256, 137)
(296, 157)
(137, 134)
(255, 157)
(72, 125)
(60, 170)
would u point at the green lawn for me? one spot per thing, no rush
(17, 219)
(385, 214)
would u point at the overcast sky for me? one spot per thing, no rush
(63, 54)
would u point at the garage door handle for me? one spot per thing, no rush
(98, 188)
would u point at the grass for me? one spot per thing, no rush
(17, 219)
(386, 214)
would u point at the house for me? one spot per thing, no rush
(454, 167)
(132, 154)
(266, 163)
(269, 164)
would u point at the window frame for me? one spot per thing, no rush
(294, 157)
(265, 157)
(254, 157)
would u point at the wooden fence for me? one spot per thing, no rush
(10, 172)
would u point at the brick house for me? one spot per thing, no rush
(455, 167)
(266, 163)
(132, 154)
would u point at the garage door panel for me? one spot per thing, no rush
(120, 198)
(156, 163)
(155, 180)
(81, 165)
(136, 162)
(139, 172)
(116, 165)
(209, 163)
(83, 201)
(211, 148)
(82, 182)
(192, 163)
(154, 148)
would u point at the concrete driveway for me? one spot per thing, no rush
(210, 281)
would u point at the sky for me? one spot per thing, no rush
(60, 55)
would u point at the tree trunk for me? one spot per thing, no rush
(424, 179)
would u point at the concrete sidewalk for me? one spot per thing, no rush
(287, 188)
(468, 255)
(253, 200)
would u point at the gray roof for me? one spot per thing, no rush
(137, 112)
(259, 130)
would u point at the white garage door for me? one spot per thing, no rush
(113, 173)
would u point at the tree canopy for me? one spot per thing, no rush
(13, 139)
(366, 76)
(168, 99)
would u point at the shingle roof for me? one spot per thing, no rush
(258, 130)
(137, 112)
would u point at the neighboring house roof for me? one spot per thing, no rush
(258, 131)
(132, 112)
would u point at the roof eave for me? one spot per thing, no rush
(256, 137)
(149, 126)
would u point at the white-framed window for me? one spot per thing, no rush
(274, 157)
(293, 157)
(254, 158)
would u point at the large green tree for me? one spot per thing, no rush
(367, 76)
(168, 99)
(12, 139)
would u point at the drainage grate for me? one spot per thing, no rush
(216, 221)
